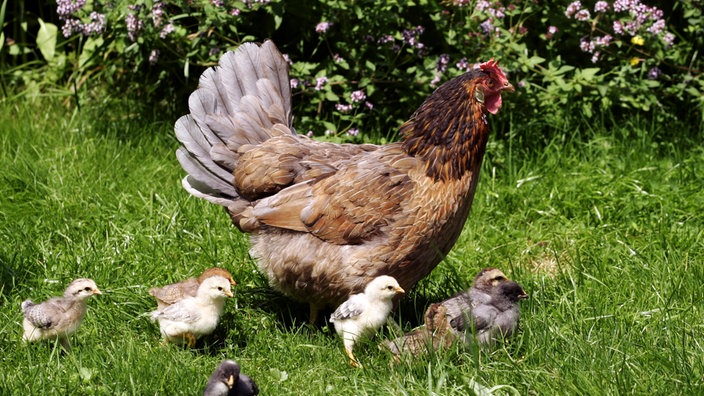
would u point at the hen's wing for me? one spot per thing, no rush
(350, 205)
(46, 315)
(351, 308)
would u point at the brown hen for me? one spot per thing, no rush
(327, 218)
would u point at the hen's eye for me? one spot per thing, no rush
(490, 83)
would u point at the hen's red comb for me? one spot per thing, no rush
(492, 66)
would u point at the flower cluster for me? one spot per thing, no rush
(67, 11)
(630, 18)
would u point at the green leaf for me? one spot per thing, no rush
(46, 39)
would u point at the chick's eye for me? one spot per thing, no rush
(87, 288)
(219, 288)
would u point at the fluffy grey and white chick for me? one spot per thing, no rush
(362, 314)
(487, 311)
(227, 380)
(58, 317)
(170, 294)
(194, 317)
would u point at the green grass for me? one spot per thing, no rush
(604, 229)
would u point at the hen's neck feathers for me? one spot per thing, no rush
(449, 130)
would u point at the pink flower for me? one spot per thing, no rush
(573, 8)
(343, 108)
(582, 15)
(657, 27)
(618, 27)
(323, 27)
(320, 82)
(357, 96)
(294, 83)
(601, 6)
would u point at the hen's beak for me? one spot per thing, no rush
(508, 87)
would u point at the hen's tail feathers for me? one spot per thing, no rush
(244, 101)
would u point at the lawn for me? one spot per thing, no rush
(604, 228)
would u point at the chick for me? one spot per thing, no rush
(227, 380)
(488, 310)
(362, 314)
(174, 292)
(434, 334)
(493, 319)
(193, 317)
(58, 317)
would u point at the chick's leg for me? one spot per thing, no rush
(349, 343)
(190, 338)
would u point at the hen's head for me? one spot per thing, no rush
(490, 83)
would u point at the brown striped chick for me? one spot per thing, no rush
(193, 317)
(59, 317)
(174, 292)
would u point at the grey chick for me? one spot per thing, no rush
(227, 380)
(58, 317)
(493, 319)
(487, 310)
(175, 292)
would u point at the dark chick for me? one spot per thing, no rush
(227, 380)
(324, 218)
(485, 312)
(496, 318)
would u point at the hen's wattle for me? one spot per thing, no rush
(327, 218)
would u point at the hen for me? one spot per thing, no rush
(325, 218)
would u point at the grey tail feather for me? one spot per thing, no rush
(245, 100)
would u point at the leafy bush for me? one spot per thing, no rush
(357, 67)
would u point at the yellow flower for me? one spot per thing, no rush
(637, 40)
(635, 61)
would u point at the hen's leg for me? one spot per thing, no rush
(313, 317)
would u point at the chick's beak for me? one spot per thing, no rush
(399, 290)
(523, 295)
(230, 381)
(96, 291)
(229, 293)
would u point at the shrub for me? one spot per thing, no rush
(358, 67)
